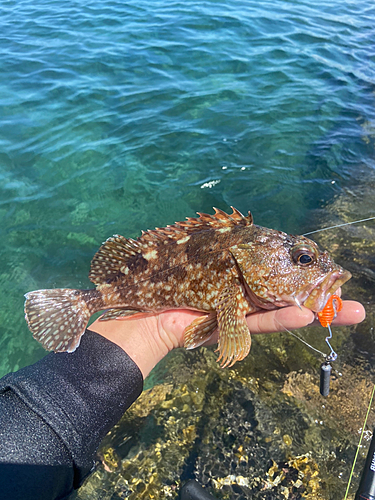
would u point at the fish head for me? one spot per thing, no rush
(281, 269)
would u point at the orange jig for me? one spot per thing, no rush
(327, 315)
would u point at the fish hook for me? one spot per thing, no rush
(332, 356)
(326, 316)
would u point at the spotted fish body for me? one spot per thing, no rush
(223, 265)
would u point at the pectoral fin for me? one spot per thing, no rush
(234, 335)
(199, 331)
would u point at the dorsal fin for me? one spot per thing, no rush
(118, 253)
(194, 224)
(111, 257)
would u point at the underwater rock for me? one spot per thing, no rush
(203, 422)
(347, 402)
(296, 478)
(260, 430)
(353, 246)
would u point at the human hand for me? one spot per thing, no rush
(147, 338)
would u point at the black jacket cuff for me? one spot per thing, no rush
(80, 395)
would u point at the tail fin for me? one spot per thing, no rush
(58, 318)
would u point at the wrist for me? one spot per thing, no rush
(143, 338)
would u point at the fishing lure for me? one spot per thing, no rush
(326, 316)
(329, 313)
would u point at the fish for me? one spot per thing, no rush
(222, 265)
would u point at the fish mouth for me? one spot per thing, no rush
(319, 295)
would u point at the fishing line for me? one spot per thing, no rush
(325, 367)
(368, 408)
(332, 356)
(301, 339)
(339, 225)
(359, 444)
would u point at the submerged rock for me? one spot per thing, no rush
(226, 430)
(261, 429)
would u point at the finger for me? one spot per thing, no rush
(293, 317)
(277, 320)
(351, 314)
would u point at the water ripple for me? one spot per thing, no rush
(120, 116)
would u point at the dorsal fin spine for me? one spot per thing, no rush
(115, 253)
(195, 224)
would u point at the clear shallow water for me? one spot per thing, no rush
(119, 117)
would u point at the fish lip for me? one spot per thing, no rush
(319, 295)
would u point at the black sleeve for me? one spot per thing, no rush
(53, 415)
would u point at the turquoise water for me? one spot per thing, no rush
(117, 117)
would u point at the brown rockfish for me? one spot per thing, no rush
(222, 265)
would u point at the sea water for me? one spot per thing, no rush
(121, 116)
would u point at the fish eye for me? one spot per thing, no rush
(303, 255)
(305, 258)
